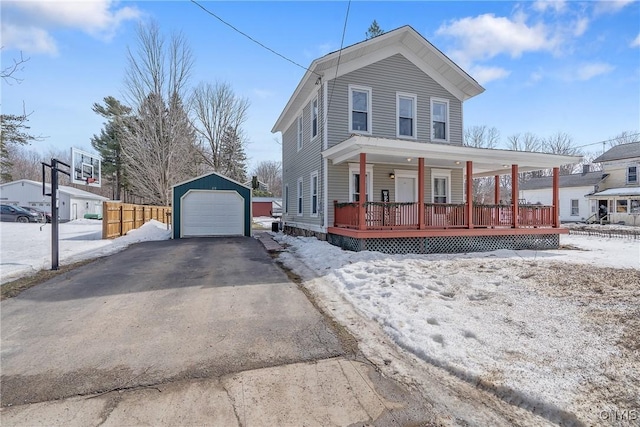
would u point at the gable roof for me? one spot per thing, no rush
(619, 152)
(404, 40)
(71, 191)
(588, 179)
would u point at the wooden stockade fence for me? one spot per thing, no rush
(119, 218)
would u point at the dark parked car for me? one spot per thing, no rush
(17, 214)
(44, 216)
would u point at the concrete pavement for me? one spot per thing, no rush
(198, 331)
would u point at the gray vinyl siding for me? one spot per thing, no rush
(338, 180)
(385, 78)
(300, 164)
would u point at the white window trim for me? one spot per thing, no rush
(637, 177)
(369, 108)
(571, 207)
(300, 197)
(300, 131)
(314, 174)
(314, 100)
(441, 173)
(447, 124)
(414, 131)
(354, 168)
(402, 173)
(286, 198)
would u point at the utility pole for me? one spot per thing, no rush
(55, 253)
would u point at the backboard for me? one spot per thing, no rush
(85, 168)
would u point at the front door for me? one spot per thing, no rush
(406, 189)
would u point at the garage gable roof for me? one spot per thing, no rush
(209, 174)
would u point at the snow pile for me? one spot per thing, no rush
(477, 316)
(26, 248)
(264, 221)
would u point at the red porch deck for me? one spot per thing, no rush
(440, 219)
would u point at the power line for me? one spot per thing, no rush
(344, 31)
(251, 38)
(606, 140)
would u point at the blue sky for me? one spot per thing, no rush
(547, 66)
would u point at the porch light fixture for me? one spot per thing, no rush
(408, 159)
(457, 162)
(505, 166)
(392, 175)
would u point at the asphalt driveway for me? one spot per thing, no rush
(155, 313)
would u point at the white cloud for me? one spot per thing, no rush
(535, 77)
(486, 74)
(581, 26)
(589, 71)
(557, 6)
(635, 42)
(610, 6)
(486, 36)
(28, 39)
(98, 18)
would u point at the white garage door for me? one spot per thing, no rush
(212, 213)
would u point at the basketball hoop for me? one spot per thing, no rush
(91, 180)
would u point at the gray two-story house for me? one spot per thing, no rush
(373, 156)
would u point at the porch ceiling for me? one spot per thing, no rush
(486, 162)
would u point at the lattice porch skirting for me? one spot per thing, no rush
(449, 244)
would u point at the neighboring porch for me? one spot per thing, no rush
(426, 224)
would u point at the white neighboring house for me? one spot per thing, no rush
(620, 192)
(73, 203)
(574, 191)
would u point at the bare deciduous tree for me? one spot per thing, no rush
(270, 172)
(524, 142)
(159, 150)
(218, 112)
(481, 137)
(8, 73)
(625, 137)
(562, 143)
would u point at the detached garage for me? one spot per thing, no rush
(211, 205)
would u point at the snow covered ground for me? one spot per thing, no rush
(553, 331)
(26, 248)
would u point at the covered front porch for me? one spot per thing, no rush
(427, 216)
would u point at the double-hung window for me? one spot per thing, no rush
(575, 209)
(406, 112)
(360, 109)
(314, 118)
(354, 182)
(300, 128)
(313, 188)
(441, 185)
(299, 196)
(440, 119)
(632, 175)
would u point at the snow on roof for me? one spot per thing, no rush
(71, 191)
(624, 191)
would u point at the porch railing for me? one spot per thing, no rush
(404, 216)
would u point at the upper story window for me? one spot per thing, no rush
(440, 119)
(632, 175)
(360, 109)
(300, 127)
(314, 118)
(406, 111)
